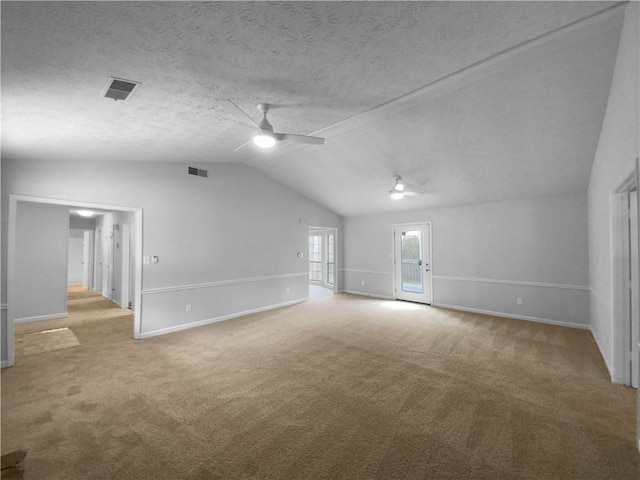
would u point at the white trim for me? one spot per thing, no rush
(53, 316)
(353, 270)
(365, 294)
(179, 288)
(4, 364)
(513, 282)
(208, 321)
(514, 316)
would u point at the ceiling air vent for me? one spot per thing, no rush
(119, 89)
(197, 172)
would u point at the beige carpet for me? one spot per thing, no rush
(339, 388)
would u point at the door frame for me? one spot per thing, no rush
(11, 263)
(324, 231)
(429, 251)
(621, 324)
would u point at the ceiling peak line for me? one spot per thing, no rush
(560, 38)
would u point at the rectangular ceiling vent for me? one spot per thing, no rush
(119, 89)
(197, 172)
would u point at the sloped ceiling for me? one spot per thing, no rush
(467, 101)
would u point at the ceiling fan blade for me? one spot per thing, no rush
(412, 193)
(242, 115)
(242, 146)
(293, 138)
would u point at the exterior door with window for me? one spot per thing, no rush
(412, 258)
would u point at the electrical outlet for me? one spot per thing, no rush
(520, 300)
(363, 283)
(188, 307)
(288, 290)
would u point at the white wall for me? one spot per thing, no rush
(76, 253)
(41, 247)
(82, 223)
(485, 256)
(226, 244)
(614, 161)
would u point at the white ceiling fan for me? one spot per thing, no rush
(399, 189)
(265, 137)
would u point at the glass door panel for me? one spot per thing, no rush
(411, 261)
(412, 258)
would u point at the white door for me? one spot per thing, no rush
(98, 261)
(116, 265)
(107, 264)
(412, 258)
(87, 259)
(124, 271)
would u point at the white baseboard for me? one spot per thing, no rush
(4, 363)
(365, 294)
(517, 317)
(208, 321)
(41, 317)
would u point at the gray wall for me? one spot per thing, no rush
(41, 246)
(614, 161)
(485, 256)
(227, 244)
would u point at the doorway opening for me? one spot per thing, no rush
(412, 262)
(626, 285)
(25, 227)
(103, 262)
(322, 261)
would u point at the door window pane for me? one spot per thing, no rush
(411, 258)
(315, 258)
(330, 259)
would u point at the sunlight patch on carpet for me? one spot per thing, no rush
(47, 340)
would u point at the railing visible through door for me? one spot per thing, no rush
(411, 275)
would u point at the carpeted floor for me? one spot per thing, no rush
(343, 387)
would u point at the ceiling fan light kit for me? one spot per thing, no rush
(398, 191)
(264, 140)
(265, 137)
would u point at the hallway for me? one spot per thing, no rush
(90, 318)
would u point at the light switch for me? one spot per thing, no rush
(146, 260)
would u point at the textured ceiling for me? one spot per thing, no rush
(518, 121)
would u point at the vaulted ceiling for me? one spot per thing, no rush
(468, 101)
